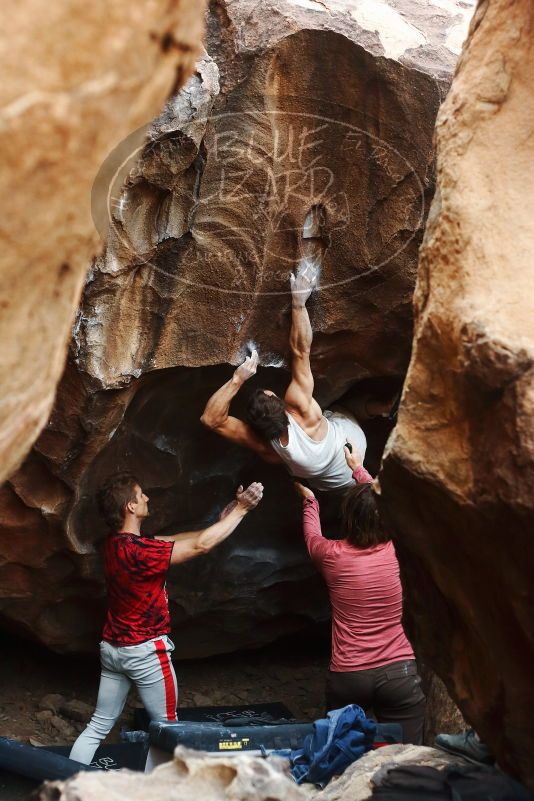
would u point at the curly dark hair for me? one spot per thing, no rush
(360, 520)
(113, 497)
(267, 415)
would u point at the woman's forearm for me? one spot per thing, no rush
(361, 476)
(311, 520)
(318, 546)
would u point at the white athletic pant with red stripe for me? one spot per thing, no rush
(149, 667)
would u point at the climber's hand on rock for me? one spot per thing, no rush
(248, 368)
(248, 499)
(353, 459)
(303, 282)
(304, 492)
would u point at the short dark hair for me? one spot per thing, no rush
(118, 491)
(267, 414)
(360, 520)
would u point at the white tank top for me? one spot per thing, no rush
(323, 462)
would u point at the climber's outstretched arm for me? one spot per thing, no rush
(299, 394)
(216, 417)
(189, 544)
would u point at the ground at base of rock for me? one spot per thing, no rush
(37, 687)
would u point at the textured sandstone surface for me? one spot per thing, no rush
(77, 78)
(355, 784)
(295, 105)
(442, 716)
(457, 480)
(195, 774)
(191, 774)
(303, 104)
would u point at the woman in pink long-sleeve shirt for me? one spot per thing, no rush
(372, 663)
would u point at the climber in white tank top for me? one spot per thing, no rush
(322, 461)
(292, 430)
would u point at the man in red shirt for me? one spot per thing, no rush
(135, 645)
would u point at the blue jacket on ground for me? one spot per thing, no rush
(335, 743)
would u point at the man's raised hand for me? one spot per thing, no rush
(248, 368)
(304, 281)
(249, 498)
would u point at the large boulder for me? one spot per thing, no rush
(457, 480)
(190, 774)
(240, 777)
(295, 106)
(76, 78)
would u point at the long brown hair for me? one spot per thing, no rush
(360, 520)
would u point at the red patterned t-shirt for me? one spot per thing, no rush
(135, 569)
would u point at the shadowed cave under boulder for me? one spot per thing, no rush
(257, 585)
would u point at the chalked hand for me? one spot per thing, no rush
(250, 498)
(304, 281)
(248, 368)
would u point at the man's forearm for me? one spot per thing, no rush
(182, 536)
(194, 543)
(219, 531)
(218, 406)
(301, 336)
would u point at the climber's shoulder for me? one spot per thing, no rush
(241, 433)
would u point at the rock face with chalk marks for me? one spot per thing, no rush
(77, 78)
(296, 106)
(457, 480)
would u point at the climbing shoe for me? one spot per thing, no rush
(467, 745)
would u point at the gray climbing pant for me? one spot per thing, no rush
(149, 667)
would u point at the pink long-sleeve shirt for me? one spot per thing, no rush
(365, 594)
